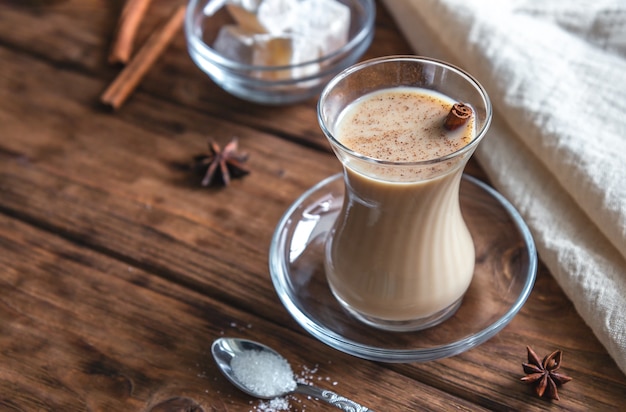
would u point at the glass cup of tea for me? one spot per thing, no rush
(400, 256)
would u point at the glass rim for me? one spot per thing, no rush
(406, 58)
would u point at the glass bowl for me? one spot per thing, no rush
(273, 85)
(504, 275)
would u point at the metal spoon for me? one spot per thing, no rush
(226, 349)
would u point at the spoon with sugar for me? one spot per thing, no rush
(260, 371)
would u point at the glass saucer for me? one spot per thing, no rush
(506, 265)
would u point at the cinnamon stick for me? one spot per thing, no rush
(128, 79)
(459, 114)
(131, 16)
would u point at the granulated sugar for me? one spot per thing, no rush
(263, 373)
(270, 375)
(307, 376)
(273, 405)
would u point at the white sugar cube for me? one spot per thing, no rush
(304, 50)
(245, 18)
(278, 16)
(285, 50)
(246, 47)
(328, 21)
(274, 33)
(272, 51)
(235, 43)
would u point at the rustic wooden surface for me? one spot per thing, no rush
(117, 270)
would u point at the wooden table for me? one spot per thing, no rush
(117, 270)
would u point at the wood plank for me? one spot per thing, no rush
(84, 30)
(81, 331)
(100, 329)
(193, 247)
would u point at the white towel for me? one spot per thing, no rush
(556, 75)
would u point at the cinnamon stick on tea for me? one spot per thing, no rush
(459, 114)
(128, 79)
(127, 26)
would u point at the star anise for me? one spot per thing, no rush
(226, 163)
(543, 374)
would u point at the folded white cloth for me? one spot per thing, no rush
(556, 75)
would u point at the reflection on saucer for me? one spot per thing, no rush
(310, 224)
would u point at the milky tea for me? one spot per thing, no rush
(400, 256)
